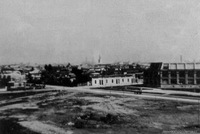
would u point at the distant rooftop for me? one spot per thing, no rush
(175, 66)
(181, 66)
(108, 76)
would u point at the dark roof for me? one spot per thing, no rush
(155, 66)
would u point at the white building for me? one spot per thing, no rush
(115, 81)
(17, 80)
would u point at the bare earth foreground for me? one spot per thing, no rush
(74, 112)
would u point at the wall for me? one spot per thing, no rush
(180, 79)
(180, 86)
(115, 81)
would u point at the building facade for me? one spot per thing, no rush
(115, 81)
(173, 75)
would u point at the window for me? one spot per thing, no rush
(198, 73)
(190, 81)
(128, 80)
(198, 81)
(165, 81)
(173, 74)
(132, 80)
(173, 81)
(173, 66)
(117, 81)
(106, 81)
(182, 74)
(166, 66)
(95, 81)
(191, 74)
(165, 74)
(181, 66)
(181, 81)
(100, 82)
(112, 81)
(190, 66)
(122, 80)
(197, 66)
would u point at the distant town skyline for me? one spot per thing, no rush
(62, 31)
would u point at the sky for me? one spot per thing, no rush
(62, 31)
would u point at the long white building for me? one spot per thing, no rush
(115, 81)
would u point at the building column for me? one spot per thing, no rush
(195, 77)
(177, 77)
(169, 77)
(161, 78)
(186, 77)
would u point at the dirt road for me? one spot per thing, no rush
(146, 95)
(82, 110)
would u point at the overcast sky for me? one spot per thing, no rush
(56, 31)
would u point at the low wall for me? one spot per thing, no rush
(180, 86)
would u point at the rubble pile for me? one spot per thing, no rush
(92, 120)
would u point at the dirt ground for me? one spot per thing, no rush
(64, 112)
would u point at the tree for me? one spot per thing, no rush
(138, 67)
(46, 67)
(32, 69)
(50, 68)
(29, 78)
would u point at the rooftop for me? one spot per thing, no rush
(174, 66)
(180, 66)
(108, 76)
